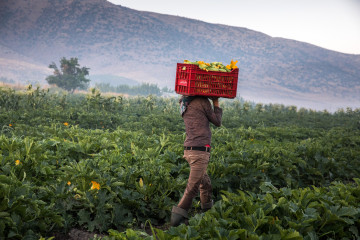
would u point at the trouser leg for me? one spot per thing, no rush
(206, 192)
(198, 162)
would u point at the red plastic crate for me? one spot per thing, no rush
(191, 80)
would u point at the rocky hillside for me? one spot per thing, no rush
(143, 46)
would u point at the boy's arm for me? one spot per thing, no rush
(215, 102)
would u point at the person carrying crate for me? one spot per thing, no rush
(197, 113)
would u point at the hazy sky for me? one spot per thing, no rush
(331, 24)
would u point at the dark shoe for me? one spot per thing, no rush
(178, 216)
(206, 206)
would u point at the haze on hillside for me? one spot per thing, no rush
(145, 46)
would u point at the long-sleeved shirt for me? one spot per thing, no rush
(197, 118)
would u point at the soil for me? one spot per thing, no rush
(76, 234)
(79, 234)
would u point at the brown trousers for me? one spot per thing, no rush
(198, 179)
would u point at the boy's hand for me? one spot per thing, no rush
(215, 101)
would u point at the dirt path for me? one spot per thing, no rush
(79, 234)
(76, 234)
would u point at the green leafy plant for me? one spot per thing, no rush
(114, 166)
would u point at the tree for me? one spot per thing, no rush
(70, 76)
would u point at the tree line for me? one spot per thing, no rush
(70, 76)
(143, 89)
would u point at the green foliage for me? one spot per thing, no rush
(277, 173)
(309, 213)
(70, 76)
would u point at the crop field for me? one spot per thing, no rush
(113, 166)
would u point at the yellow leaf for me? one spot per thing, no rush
(233, 64)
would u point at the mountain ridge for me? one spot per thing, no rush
(145, 46)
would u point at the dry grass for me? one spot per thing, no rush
(15, 86)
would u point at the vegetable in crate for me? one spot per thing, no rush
(214, 66)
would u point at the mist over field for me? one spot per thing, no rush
(121, 45)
